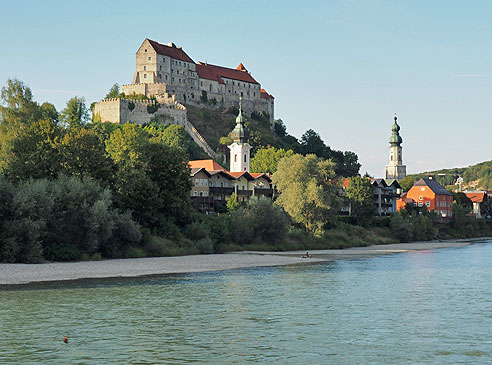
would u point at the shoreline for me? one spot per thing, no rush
(25, 274)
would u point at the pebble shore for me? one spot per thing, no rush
(15, 274)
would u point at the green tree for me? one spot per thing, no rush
(18, 105)
(75, 114)
(308, 190)
(48, 112)
(266, 159)
(232, 203)
(311, 142)
(114, 92)
(360, 196)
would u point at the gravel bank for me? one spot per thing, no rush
(14, 274)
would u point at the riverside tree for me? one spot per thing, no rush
(308, 190)
(360, 196)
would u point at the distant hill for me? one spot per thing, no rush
(477, 177)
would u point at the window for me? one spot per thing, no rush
(422, 189)
(201, 193)
(233, 83)
(421, 204)
(145, 68)
(145, 50)
(150, 58)
(427, 203)
(197, 182)
(160, 68)
(201, 83)
(166, 77)
(244, 187)
(420, 197)
(210, 87)
(195, 193)
(235, 158)
(173, 79)
(241, 94)
(145, 76)
(244, 158)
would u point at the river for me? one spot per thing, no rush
(419, 307)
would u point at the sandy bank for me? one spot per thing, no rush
(12, 274)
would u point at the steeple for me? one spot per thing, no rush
(240, 133)
(395, 169)
(240, 149)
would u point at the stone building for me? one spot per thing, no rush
(395, 169)
(167, 69)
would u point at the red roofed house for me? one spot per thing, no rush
(432, 195)
(480, 202)
(167, 69)
(212, 184)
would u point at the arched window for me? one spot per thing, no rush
(244, 158)
(235, 158)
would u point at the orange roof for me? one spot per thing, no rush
(172, 51)
(238, 174)
(209, 165)
(213, 72)
(257, 175)
(476, 197)
(266, 95)
(241, 67)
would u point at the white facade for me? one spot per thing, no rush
(240, 153)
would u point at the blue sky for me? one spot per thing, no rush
(340, 67)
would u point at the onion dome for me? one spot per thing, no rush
(240, 133)
(395, 138)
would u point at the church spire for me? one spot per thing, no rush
(240, 149)
(395, 168)
(240, 133)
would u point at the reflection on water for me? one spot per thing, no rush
(423, 307)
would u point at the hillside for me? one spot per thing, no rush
(476, 177)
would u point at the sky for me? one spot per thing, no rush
(340, 67)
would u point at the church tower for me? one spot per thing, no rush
(395, 169)
(240, 148)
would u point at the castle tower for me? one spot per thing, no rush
(240, 148)
(395, 169)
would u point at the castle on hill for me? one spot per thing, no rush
(164, 69)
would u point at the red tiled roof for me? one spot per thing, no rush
(266, 95)
(237, 175)
(257, 175)
(209, 165)
(476, 197)
(172, 51)
(226, 72)
(205, 72)
(345, 182)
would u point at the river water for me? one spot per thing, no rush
(419, 307)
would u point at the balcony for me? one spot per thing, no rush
(221, 190)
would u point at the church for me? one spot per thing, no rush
(212, 184)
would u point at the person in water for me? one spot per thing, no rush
(308, 255)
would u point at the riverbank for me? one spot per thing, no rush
(16, 274)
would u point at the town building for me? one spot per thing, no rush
(212, 184)
(480, 201)
(430, 194)
(395, 168)
(386, 192)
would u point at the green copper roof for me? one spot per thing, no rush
(395, 138)
(240, 133)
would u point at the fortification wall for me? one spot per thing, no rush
(137, 111)
(158, 88)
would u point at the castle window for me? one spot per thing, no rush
(173, 79)
(233, 83)
(166, 77)
(145, 68)
(241, 94)
(145, 50)
(201, 83)
(210, 87)
(150, 58)
(160, 68)
(244, 158)
(145, 76)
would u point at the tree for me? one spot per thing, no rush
(308, 190)
(279, 128)
(75, 114)
(360, 196)
(232, 203)
(114, 92)
(48, 112)
(19, 106)
(349, 166)
(311, 142)
(266, 159)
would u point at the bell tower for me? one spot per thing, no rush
(240, 148)
(395, 169)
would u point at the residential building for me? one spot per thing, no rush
(480, 201)
(385, 194)
(430, 194)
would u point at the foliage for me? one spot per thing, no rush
(75, 114)
(60, 219)
(266, 159)
(113, 92)
(232, 203)
(308, 190)
(48, 112)
(360, 196)
(18, 105)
